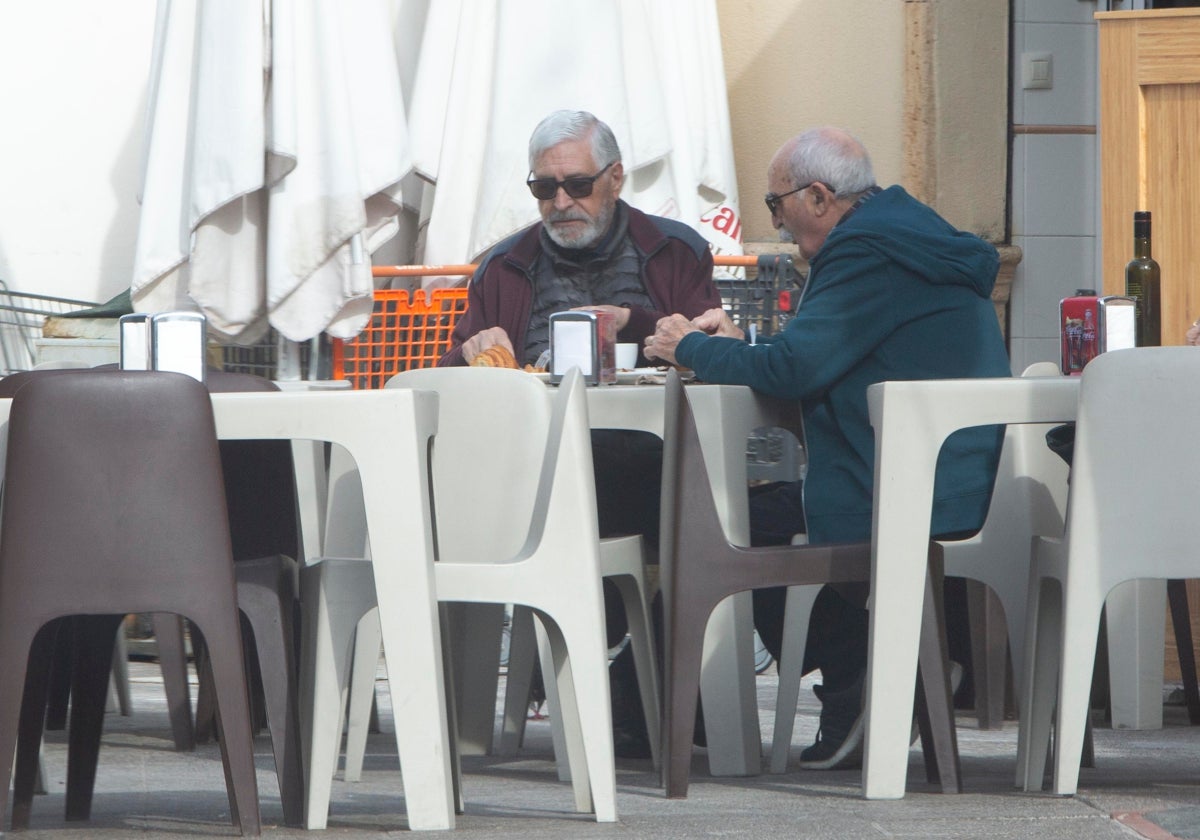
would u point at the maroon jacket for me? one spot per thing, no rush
(678, 276)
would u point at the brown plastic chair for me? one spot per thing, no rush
(261, 507)
(700, 568)
(147, 532)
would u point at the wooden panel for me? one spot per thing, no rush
(1172, 132)
(1120, 117)
(1149, 147)
(1166, 52)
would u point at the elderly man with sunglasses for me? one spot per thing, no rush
(893, 292)
(592, 250)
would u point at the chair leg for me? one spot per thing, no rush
(268, 604)
(328, 620)
(1182, 625)
(1042, 645)
(232, 707)
(522, 647)
(368, 641)
(989, 653)
(641, 638)
(796, 615)
(681, 689)
(120, 673)
(460, 805)
(565, 733)
(27, 664)
(172, 661)
(39, 787)
(1077, 653)
(204, 730)
(581, 667)
(59, 687)
(935, 683)
(90, 670)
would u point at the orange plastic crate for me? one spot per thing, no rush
(403, 334)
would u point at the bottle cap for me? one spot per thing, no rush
(1141, 223)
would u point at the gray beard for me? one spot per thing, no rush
(786, 236)
(592, 232)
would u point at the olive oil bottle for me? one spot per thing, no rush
(1142, 284)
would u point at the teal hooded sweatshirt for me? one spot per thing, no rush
(895, 292)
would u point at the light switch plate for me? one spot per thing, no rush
(1037, 71)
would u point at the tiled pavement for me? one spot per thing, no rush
(1146, 784)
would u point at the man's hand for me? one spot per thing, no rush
(620, 314)
(484, 339)
(717, 322)
(667, 334)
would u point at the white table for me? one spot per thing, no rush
(725, 417)
(386, 432)
(912, 420)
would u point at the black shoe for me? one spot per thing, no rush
(630, 739)
(839, 740)
(631, 742)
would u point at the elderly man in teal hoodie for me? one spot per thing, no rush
(893, 292)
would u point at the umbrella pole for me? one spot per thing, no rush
(289, 365)
(290, 359)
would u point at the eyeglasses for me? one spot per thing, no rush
(773, 200)
(580, 186)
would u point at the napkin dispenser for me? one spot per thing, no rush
(173, 341)
(1090, 325)
(585, 339)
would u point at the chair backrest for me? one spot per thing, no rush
(493, 425)
(1135, 477)
(111, 476)
(1042, 475)
(687, 499)
(259, 482)
(1029, 495)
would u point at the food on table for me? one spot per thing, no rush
(495, 356)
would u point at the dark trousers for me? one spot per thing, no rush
(837, 629)
(628, 468)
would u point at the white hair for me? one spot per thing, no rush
(561, 126)
(833, 157)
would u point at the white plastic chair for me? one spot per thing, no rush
(1131, 515)
(515, 518)
(1028, 500)
(621, 560)
(912, 420)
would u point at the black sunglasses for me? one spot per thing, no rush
(580, 186)
(774, 200)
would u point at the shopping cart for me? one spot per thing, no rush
(22, 317)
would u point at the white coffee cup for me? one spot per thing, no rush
(627, 354)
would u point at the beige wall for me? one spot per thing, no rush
(793, 64)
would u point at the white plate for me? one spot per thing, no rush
(630, 377)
